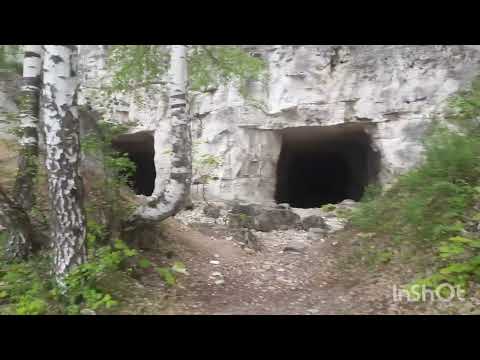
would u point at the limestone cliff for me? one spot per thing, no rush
(381, 97)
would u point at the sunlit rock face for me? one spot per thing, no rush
(388, 93)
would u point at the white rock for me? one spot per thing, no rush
(214, 262)
(396, 88)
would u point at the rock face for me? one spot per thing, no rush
(276, 219)
(387, 92)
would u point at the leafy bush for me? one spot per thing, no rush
(168, 274)
(30, 288)
(104, 196)
(82, 285)
(433, 203)
(424, 200)
(23, 285)
(8, 53)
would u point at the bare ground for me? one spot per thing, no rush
(325, 279)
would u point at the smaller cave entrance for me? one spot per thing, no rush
(322, 165)
(140, 149)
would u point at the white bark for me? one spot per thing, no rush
(14, 211)
(177, 187)
(29, 113)
(32, 69)
(62, 137)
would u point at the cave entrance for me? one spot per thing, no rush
(140, 149)
(321, 165)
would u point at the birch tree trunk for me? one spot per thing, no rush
(176, 192)
(19, 229)
(29, 113)
(62, 137)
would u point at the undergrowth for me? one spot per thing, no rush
(437, 206)
(28, 288)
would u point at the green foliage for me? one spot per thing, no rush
(168, 274)
(136, 66)
(104, 197)
(329, 207)
(83, 284)
(30, 288)
(465, 108)
(210, 66)
(23, 285)
(433, 204)
(343, 213)
(8, 54)
(3, 238)
(204, 166)
(144, 263)
(425, 200)
(460, 259)
(141, 66)
(179, 267)
(100, 142)
(95, 233)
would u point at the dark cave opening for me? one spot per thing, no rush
(140, 149)
(322, 165)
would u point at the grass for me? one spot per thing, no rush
(429, 216)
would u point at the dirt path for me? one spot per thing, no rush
(225, 279)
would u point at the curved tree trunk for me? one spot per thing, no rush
(62, 135)
(29, 112)
(19, 229)
(176, 193)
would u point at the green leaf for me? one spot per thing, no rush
(179, 267)
(457, 268)
(450, 250)
(118, 244)
(167, 276)
(130, 252)
(144, 263)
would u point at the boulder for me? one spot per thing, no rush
(275, 219)
(212, 211)
(313, 221)
(262, 218)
